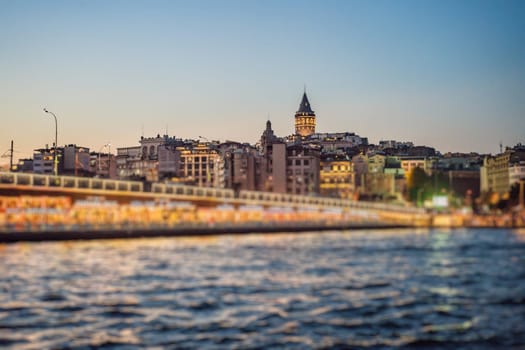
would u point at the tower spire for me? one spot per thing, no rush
(304, 107)
(305, 117)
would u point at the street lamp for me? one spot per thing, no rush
(55, 166)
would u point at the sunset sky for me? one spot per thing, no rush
(447, 74)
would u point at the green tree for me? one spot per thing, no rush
(417, 180)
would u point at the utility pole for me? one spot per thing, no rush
(11, 157)
(5, 155)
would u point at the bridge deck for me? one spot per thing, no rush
(18, 183)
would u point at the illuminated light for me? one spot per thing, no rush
(440, 201)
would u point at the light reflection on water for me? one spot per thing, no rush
(389, 288)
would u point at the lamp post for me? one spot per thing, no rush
(55, 165)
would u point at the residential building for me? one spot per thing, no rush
(494, 174)
(459, 161)
(23, 166)
(169, 157)
(155, 158)
(393, 168)
(302, 169)
(43, 159)
(336, 178)
(272, 165)
(128, 163)
(240, 165)
(103, 165)
(277, 175)
(76, 161)
(394, 144)
(360, 163)
(336, 141)
(516, 172)
(376, 163)
(201, 165)
(409, 163)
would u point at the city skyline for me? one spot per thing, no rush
(441, 74)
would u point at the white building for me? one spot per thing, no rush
(409, 163)
(516, 172)
(394, 144)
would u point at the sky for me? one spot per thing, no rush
(448, 74)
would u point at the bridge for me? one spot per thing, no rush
(243, 211)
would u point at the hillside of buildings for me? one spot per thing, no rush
(339, 164)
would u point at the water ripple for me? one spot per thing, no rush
(336, 290)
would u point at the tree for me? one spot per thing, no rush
(416, 181)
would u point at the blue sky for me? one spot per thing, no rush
(448, 74)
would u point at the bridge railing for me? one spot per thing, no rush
(40, 180)
(194, 192)
(268, 198)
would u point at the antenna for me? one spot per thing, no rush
(500, 147)
(142, 130)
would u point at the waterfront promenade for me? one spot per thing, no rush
(38, 207)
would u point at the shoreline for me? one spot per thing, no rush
(129, 233)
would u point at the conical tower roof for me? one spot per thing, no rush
(304, 107)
